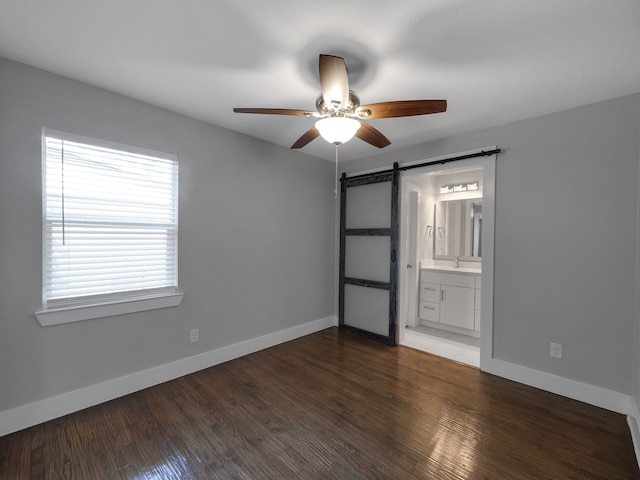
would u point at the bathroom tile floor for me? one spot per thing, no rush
(461, 348)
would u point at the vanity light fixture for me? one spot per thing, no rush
(460, 187)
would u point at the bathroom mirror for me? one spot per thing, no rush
(458, 231)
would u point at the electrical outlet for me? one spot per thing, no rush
(195, 335)
(556, 350)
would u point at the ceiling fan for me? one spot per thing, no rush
(340, 113)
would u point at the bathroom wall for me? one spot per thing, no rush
(424, 185)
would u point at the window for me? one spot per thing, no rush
(110, 224)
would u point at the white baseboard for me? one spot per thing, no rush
(633, 409)
(583, 392)
(41, 411)
(632, 420)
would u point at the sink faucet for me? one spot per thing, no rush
(457, 262)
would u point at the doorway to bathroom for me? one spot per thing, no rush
(446, 259)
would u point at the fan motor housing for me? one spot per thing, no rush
(327, 109)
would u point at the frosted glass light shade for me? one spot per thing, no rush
(337, 129)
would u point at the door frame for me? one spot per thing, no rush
(408, 296)
(488, 164)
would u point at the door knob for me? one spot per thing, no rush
(409, 265)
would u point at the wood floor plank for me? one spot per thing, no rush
(331, 405)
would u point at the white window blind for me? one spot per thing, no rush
(110, 222)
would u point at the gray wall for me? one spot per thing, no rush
(565, 237)
(256, 239)
(636, 334)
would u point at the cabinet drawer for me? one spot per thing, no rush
(430, 311)
(429, 292)
(448, 278)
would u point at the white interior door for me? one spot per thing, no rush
(412, 267)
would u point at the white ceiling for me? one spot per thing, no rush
(494, 61)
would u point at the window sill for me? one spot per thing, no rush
(77, 314)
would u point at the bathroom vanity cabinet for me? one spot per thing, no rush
(450, 298)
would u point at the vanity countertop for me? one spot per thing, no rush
(442, 268)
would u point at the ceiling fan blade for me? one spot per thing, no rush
(401, 108)
(334, 81)
(372, 136)
(306, 137)
(276, 111)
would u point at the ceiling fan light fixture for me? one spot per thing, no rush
(337, 130)
(340, 109)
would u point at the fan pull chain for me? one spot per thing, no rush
(335, 191)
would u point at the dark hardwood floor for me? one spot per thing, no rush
(331, 405)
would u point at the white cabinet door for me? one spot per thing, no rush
(457, 306)
(476, 320)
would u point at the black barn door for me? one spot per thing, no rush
(369, 255)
